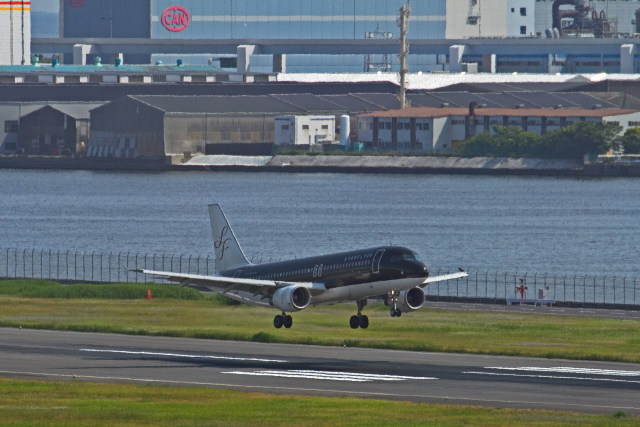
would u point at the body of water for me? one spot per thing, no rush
(481, 223)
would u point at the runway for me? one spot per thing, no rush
(493, 381)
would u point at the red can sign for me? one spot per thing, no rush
(76, 4)
(175, 18)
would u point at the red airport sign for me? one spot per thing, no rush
(175, 18)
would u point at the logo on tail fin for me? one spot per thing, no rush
(222, 243)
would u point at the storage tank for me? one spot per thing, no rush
(15, 32)
(345, 129)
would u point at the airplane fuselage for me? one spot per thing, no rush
(346, 275)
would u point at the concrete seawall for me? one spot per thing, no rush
(336, 164)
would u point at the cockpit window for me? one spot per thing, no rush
(403, 257)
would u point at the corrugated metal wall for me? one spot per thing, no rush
(188, 132)
(127, 121)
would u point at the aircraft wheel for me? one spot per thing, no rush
(288, 321)
(364, 322)
(278, 321)
(354, 322)
(398, 313)
(393, 313)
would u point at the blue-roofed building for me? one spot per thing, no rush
(257, 19)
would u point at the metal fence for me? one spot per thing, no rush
(479, 285)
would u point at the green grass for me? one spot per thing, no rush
(193, 315)
(41, 288)
(28, 402)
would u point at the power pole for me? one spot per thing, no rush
(403, 23)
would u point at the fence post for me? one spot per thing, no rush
(136, 263)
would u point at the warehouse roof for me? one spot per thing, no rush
(357, 103)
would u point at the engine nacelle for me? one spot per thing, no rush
(411, 299)
(291, 298)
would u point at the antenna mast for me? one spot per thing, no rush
(403, 23)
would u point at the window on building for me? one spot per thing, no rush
(523, 11)
(325, 127)
(10, 126)
(425, 126)
(305, 127)
(407, 126)
(387, 125)
(284, 127)
(523, 29)
(634, 124)
(380, 125)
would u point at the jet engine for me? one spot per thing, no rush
(411, 299)
(292, 298)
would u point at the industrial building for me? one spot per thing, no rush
(55, 129)
(304, 130)
(496, 36)
(436, 130)
(159, 126)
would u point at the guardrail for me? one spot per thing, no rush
(98, 267)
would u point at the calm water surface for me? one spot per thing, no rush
(525, 224)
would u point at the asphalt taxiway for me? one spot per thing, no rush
(515, 382)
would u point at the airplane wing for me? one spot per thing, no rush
(223, 284)
(444, 277)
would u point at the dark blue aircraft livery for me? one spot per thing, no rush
(391, 272)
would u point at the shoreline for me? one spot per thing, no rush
(337, 164)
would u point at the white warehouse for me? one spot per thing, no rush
(304, 130)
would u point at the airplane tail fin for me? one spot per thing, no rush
(229, 255)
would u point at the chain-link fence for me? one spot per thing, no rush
(479, 285)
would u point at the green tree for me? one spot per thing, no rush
(630, 141)
(580, 138)
(507, 141)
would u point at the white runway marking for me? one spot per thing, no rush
(186, 356)
(328, 375)
(544, 372)
(570, 370)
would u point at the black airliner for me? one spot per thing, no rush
(391, 272)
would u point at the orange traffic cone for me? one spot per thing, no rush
(148, 294)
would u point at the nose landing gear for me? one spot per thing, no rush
(281, 320)
(392, 301)
(359, 320)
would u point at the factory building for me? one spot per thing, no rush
(256, 19)
(163, 126)
(304, 130)
(55, 129)
(495, 18)
(15, 32)
(249, 21)
(437, 130)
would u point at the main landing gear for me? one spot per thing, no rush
(359, 320)
(282, 320)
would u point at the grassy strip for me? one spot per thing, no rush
(504, 333)
(27, 402)
(41, 288)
